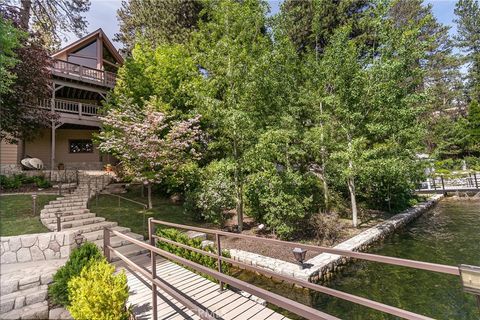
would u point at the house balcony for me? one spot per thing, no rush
(73, 112)
(73, 71)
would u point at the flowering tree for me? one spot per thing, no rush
(148, 143)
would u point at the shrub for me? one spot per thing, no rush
(284, 201)
(41, 182)
(79, 258)
(214, 194)
(13, 182)
(326, 227)
(178, 236)
(97, 293)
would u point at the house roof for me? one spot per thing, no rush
(85, 40)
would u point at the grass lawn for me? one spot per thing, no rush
(130, 214)
(16, 216)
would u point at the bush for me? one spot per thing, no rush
(79, 258)
(284, 201)
(97, 293)
(326, 227)
(41, 182)
(13, 182)
(178, 236)
(214, 195)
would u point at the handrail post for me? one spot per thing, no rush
(58, 214)
(76, 176)
(434, 184)
(475, 178)
(79, 109)
(219, 259)
(60, 187)
(106, 243)
(153, 264)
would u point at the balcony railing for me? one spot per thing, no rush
(83, 73)
(73, 107)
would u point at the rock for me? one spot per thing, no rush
(46, 278)
(7, 305)
(64, 252)
(8, 257)
(43, 242)
(28, 280)
(23, 255)
(27, 242)
(54, 246)
(38, 296)
(49, 254)
(36, 253)
(59, 313)
(196, 235)
(19, 302)
(8, 287)
(206, 243)
(15, 244)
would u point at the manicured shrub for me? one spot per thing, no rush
(283, 201)
(214, 194)
(13, 182)
(97, 293)
(178, 236)
(79, 258)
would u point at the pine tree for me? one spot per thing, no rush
(468, 39)
(156, 21)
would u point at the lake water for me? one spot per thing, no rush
(447, 234)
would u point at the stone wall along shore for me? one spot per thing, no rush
(323, 266)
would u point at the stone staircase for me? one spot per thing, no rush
(24, 289)
(76, 216)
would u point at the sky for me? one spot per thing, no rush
(103, 14)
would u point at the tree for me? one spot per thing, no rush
(19, 115)
(10, 40)
(158, 22)
(150, 146)
(468, 39)
(473, 128)
(229, 45)
(52, 19)
(310, 24)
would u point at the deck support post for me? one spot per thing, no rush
(443, 186)
(153, 262)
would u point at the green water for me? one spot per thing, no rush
(447, 234)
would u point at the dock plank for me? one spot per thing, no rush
(226, 304)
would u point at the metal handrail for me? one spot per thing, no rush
(288, 304)
(336, 293)
(145, 206)
(352, 254)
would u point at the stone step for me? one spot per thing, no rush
(129, 250)
(61, 209)
(53, 220)
(97, 235)
(22, 298)
(66, 201)
(95, 226)
(35, 311)
(49, 214)
(60, 206)
(79, 223)
(116, 241)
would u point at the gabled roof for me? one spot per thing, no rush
(85, 40)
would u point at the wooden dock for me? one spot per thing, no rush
(222, 305)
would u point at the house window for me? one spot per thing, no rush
(81, 146)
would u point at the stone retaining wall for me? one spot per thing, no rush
(323, 266)
(36, 247)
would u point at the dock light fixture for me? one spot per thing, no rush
(299, 255)
(470, 276)
(79, 239)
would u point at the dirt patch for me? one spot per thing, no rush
(283, 252)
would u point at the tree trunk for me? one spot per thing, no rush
(351, 189)
(238, 189)
(26, 6)
(149, 194)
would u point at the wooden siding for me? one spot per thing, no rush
(8, 153)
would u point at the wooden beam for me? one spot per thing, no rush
(80, 86)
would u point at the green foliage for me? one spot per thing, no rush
(79, 258)
(180, 237)
(283, 200)
(10, 39)
(214, 194)
(98, 293)
(18, 180)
